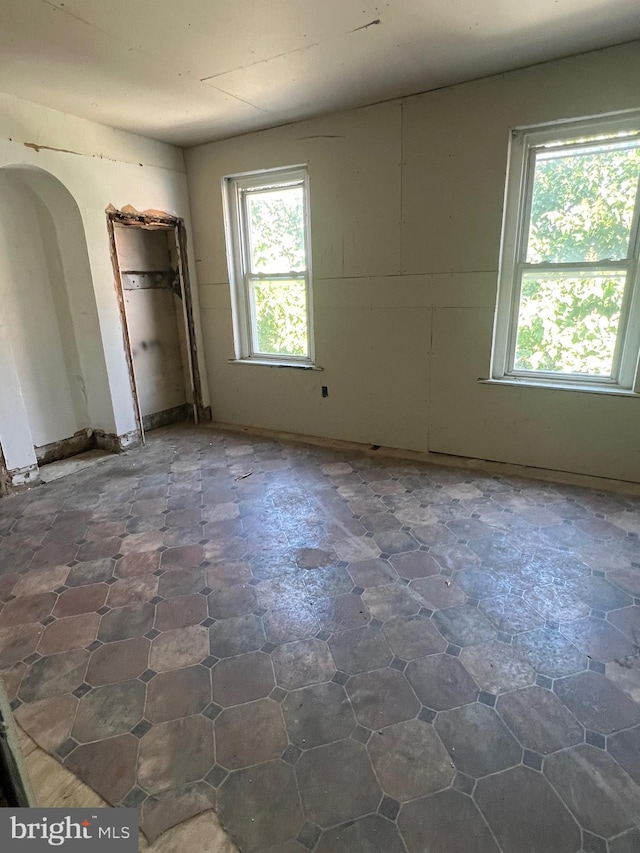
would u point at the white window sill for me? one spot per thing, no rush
(615, 390)
(265, 362)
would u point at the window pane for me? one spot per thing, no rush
(280, 317)
(568, 323)
(276, 225)
(582, 203)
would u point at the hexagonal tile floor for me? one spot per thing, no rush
(337, 652)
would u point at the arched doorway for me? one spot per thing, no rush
(48, 316)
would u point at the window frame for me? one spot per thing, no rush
(238, 246)
(524, 142)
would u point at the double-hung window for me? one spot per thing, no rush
(568, 312)
(267, 223)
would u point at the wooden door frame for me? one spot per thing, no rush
(175, 224)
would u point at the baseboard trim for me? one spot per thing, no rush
(487, 466)
(79, 442)
(116, 443)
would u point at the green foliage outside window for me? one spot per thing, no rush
(276, 221)
(582, 211)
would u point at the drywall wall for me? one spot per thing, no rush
(406, 210)
(70, 171)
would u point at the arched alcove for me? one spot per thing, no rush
(48, 311)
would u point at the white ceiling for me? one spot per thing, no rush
(188, 71)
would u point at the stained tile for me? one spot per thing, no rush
(237, 635)
(513, 803)
(7, 583)
(97, 550)
(477, 740)
(182, 557)
(381, 698)
(178, 648)
(90, 572)
(481, 582)
(48, 721)
(74, 632)
(438, 592)
(496, 667)
(510, 614)
(409, 760)
(441, 682)
(179, 693)
(626, 675)
(27, 609)
(302, 662)
(599, 593)
(18, 642)
(539, 720)
(135, 542)
(110, 710)
(463, 625)
(625, 748)
(137, 563)
(225, 549)
(161, 811)
(628, 842)
(356, 549)
(597, 703)
(108, 766)
(325, 582)
(179, 612)
(84, 599)
(52, 676)
(359, 650)
(317, 715)
(287, 590)
(342, 611)
(43, 580)
(185, 582)
(372, 834)
(294, 621)
(249, 734)
(119, 661)
(237, 600)
(598, 639)
(627, 579)
(134, 590)
(134, 620)
(385, 602)
(556, 603)
(413, 637)
(337, 783)
(549, 652)
(448, 821)
(455, 557)
(260, 807)
(523, 571)
(599, 794)
(175, 753)
(627, 620)
(222, 575)
(242, 679)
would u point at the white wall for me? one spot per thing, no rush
(406, 210)
(97, 166)
(37, 314)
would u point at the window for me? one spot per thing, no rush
(269, 265)
(568, 312)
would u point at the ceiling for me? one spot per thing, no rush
(189, 71)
